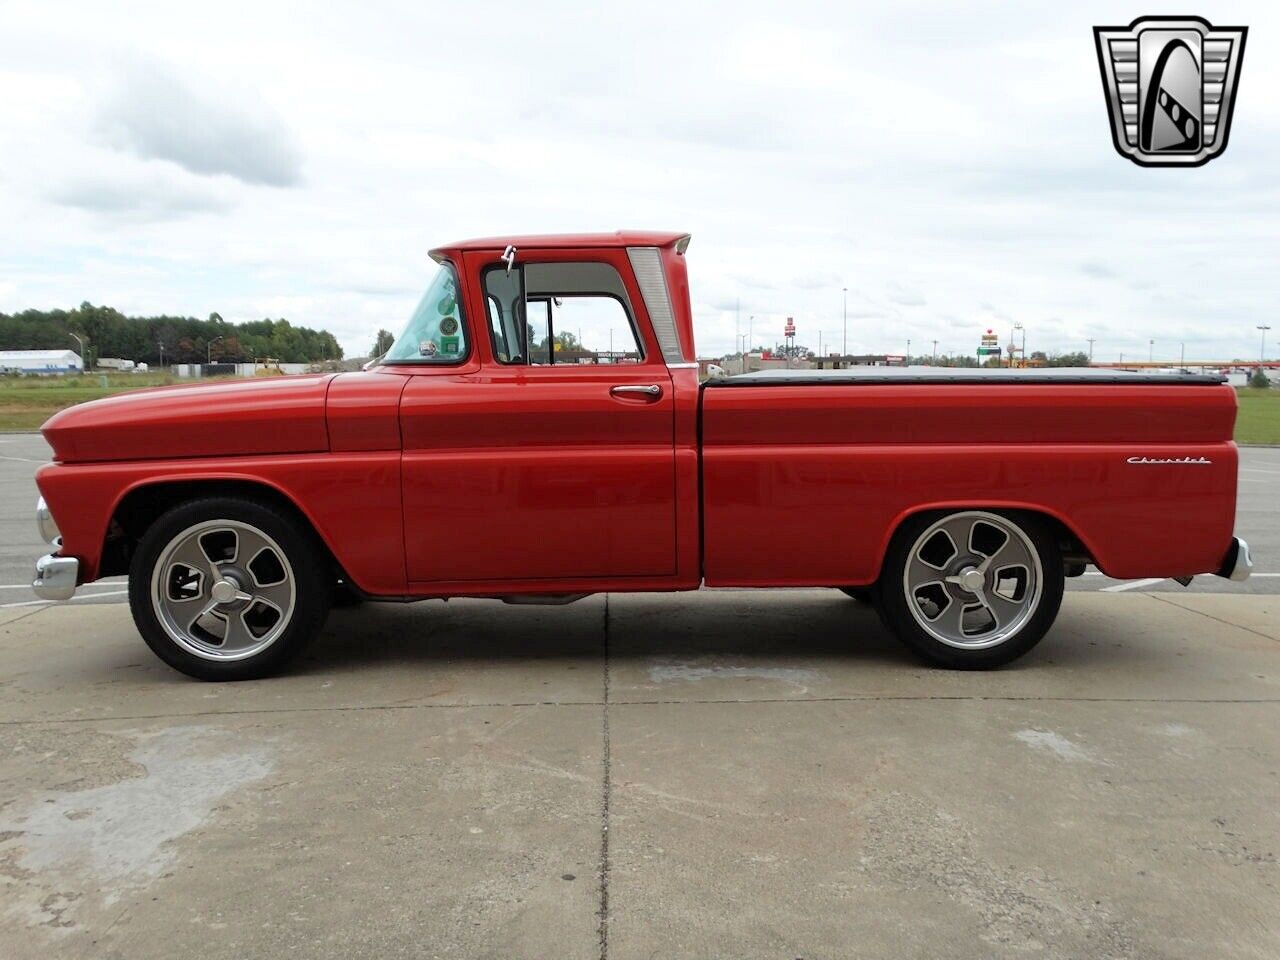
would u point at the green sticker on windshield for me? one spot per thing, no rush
(449, 346)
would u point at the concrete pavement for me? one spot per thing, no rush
(737, 774)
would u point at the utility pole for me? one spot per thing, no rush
(737, 318)
(1182, 355)
(209, 352)
(844, 314)
(1151, 350)
(935, 353)
(81, 342)
(1262, 354)
(160, 344)
(1091, 351)
(908, 360)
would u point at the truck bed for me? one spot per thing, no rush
(869, 376)
(806, 485)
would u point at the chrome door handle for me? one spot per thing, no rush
(652, 390)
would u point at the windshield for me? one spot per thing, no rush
(435, 332)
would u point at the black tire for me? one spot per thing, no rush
(861, 594)
(894, 606)
(311, 577)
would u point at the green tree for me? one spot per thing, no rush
(382, 343)
(1259, 380)
(1077, 359)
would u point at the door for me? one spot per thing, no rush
(555, 459)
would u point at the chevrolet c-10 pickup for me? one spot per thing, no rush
(538, 433)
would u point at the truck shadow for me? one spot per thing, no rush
(764, 625)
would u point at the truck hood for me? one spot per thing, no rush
(228, 418)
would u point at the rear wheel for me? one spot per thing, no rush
(227, 589)
(973, 588)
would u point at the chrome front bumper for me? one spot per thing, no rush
(55, 577)
(1237, 565)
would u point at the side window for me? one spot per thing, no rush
(560, 313)
(593, 329)
(504, 302)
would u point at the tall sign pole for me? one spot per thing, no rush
(844, 315)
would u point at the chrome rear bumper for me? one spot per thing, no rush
(55, 577)
(1237, 565)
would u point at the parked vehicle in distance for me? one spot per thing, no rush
(538, 433)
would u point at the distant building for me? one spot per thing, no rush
(40, 361)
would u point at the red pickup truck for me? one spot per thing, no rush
(538, 433)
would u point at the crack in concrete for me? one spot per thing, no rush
(1210, 616)
(525, 704)
(605, 796)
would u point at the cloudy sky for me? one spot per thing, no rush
(950, 164)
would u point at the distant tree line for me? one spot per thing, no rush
(109, 333)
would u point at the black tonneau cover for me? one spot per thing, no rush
(878, 376)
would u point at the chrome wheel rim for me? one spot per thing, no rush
(223, 590)
(973, 580)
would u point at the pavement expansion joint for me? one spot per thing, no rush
(606, 792)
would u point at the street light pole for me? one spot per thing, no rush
(209, 351)
(1182, 355)
(1262, 353)
(81, 342)
(844, 316)
(907, 362)
(935, 353)
(1151, 350)
(1091, 351)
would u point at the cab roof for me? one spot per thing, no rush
(620, 238)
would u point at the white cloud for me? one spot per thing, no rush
(951, 175)
(156, 112)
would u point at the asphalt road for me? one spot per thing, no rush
(1257, 520)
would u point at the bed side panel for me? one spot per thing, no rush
(805, 486)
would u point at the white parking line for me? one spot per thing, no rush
(24, 459)
(1132, 585)
(1273, 473)
(85, 586)
(82, 596)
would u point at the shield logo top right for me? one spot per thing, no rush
(1170, 85)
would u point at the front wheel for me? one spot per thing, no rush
(971, 589)
(227, 589)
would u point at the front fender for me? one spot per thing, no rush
(351, 500)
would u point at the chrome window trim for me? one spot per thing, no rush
(652, 280)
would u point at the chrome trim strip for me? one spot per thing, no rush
(652, 280)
